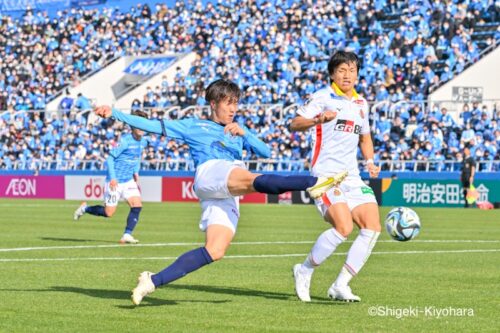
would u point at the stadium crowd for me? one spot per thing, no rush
(275, 51)
(43, 140)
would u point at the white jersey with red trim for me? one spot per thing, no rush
(335, 143)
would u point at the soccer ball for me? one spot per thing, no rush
(402, 224)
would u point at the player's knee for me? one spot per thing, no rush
(109, 212)
(375, 226)
(216, 252)
(344, 229)
(371, 225)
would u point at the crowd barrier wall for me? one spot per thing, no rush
(420, 189)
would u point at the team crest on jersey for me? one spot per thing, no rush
(336, 192)
(348, 126)
(359, 102)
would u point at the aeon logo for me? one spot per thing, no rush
(21, 187)
(94, 188)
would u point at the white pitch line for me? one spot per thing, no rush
(251, 256)
(138, 245)
(71, 247)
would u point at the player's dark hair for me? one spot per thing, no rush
(220, 90)
(342, 57)
(140, 114)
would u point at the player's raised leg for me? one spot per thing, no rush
(112, 193)
(340, 218)
(242, 182)
(80, 211)
(366, 216)
(97, 210)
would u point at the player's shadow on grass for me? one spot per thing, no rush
(120, 295)
(253, 293)
(233, 291)
(57, 239)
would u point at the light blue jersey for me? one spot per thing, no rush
(205, 138)
(125, 160)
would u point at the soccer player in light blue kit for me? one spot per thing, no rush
(216, 147)
(122, 181)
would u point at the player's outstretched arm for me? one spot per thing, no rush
(141, 123)
(258, 146)
(300, 123)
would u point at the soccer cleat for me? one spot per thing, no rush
(80, 211)
(343, 294)
(325, 183)
(302, 283)
(144, 287)
(128, 239)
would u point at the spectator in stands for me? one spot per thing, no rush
(82, 103)
(446, 122)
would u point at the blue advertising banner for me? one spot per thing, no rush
(149, 66)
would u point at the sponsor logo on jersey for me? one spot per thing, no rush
(348, 126)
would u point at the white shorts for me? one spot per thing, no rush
(352, 191)
(225, 212)
(123, 190)
(217, 204)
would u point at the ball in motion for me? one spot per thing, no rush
(402, 224)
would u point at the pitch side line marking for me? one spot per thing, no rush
(16, 249)
(246, 256)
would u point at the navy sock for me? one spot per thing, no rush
(274, 184)
(185, 264)
(132, 219)
(96, 210)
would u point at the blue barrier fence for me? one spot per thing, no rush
(384, 174)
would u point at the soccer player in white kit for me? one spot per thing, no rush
(339, 118)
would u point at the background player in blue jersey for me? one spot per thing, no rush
(216, 146)
(122, 181)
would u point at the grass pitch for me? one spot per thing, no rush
(63, 276)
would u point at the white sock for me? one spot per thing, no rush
(358, 254)
(326, 243)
